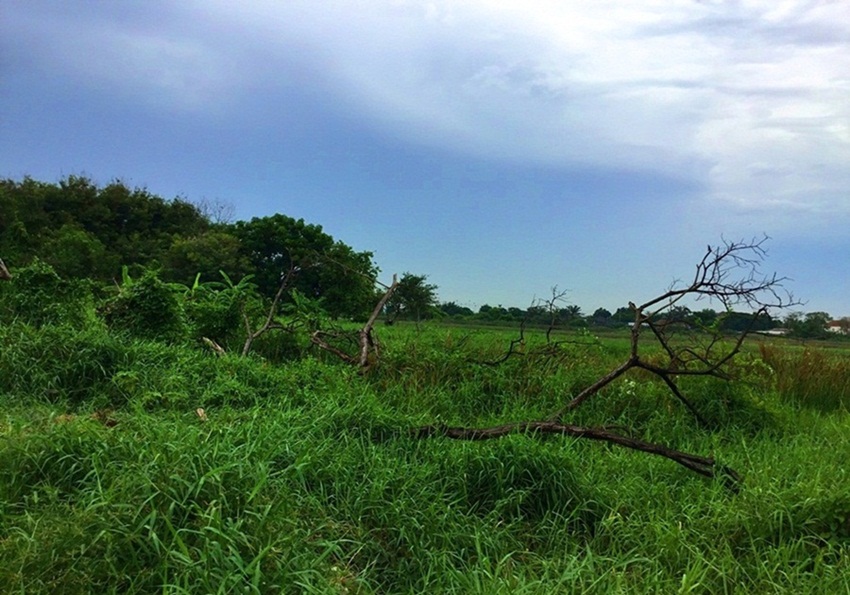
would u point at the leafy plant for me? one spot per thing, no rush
(148, 308)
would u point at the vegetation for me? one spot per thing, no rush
(141, 452)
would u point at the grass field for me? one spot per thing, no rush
(301, 476)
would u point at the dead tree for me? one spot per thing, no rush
(366, 341)
(728, 274)
(5, 275)
(269, 323)
(551, 349)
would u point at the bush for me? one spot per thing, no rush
(38, 296)
(148, 309)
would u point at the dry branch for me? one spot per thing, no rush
(5, 275)
(703, 465)
(366, 341)
(269, 323)
(716, 278)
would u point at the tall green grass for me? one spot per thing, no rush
(303, 478)
(811, 377)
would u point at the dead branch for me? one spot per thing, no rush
(520, 341)
(705, 466)
(5, 275)
(715, 278)
(217, 349)
(269, 323)
(550, 305)
(366, 341)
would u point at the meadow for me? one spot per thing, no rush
(302, 476)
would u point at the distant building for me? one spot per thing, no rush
(776, 332)
(837, 326)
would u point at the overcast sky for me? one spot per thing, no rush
(500, 147)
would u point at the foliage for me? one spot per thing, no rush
(413, 299)
(148, 308)
(299, 479)
(89, 231)
(205, 254)
(37, 296)
(322, 268)
(215, 310)
(810, 377)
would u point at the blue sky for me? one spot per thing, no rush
(499, 147)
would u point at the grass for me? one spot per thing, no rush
(303, 478)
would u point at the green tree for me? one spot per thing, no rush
(601, 317)
(206, 254)
(414, 298)
(77, 253)
(321, 267)
(453, 309)
(808, 326)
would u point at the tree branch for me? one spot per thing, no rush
(705, 466)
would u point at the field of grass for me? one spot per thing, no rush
(302, 476)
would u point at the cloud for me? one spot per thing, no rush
(746, 98)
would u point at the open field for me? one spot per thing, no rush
(301, 476)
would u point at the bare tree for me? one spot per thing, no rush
(366, 341)
(269, 323)
(216, 210)
(728, 273)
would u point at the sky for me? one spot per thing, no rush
(499, 147)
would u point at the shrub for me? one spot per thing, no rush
(147, 308)
(38, 296)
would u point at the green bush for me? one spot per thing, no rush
(38, 296)
(147, 308)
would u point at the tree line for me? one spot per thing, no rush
(85, 231)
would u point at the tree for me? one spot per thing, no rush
(77, 253)
(601, 317)
(808, 326)
(453, 309)
(206, 254)
(623, 315)
(413, 298)
(715, 279)
(321, 267)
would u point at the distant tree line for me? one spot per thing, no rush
(812, 325)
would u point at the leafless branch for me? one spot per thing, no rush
(285, 281)
(728, 273)
(520, 342)
(366, 341)
(703, 465)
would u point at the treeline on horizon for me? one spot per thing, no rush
(84, 231)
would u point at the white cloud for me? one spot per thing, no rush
(748, 98)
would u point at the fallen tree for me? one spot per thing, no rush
(728, 274)
(366, 341)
